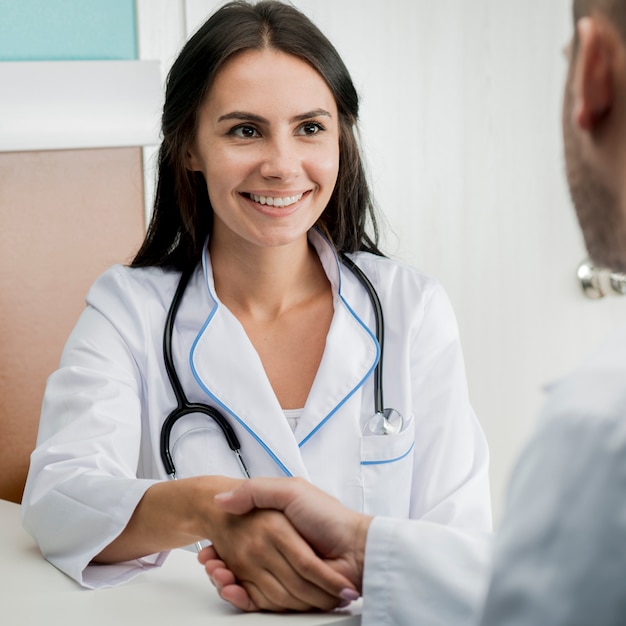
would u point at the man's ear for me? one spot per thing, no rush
(593, 78)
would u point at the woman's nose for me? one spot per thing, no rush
(281, 160)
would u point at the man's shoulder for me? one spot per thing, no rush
(596, 389)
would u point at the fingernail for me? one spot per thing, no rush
(349, 594)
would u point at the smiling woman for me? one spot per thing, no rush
(261, 205)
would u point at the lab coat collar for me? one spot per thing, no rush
(228, 368)
(351, 352)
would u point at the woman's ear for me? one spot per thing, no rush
(191, 161)
(593, 81)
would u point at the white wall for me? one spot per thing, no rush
(461, 124)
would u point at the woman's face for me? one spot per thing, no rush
(267, 143)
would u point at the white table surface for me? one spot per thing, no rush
(32, 592)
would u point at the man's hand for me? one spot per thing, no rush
(335, 533)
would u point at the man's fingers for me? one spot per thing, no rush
(309, 567)
(301, 580)
(272, 593)
(268, 593)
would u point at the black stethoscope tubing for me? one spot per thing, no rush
(184, 407)
(379, 329)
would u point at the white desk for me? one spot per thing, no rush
(33, 592)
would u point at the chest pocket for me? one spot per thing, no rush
(198, 447)
(387, 472)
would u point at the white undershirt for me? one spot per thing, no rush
(293, 415)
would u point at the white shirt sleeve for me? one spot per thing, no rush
(560, 558)
(420, 572)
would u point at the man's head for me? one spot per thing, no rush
(594, 127)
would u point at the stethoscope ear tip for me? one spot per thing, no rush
(389, 422)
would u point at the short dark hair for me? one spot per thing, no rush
(183, 216)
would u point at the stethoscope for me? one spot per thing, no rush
(384, 421)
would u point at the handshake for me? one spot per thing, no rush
(303, 550)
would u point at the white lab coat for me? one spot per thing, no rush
(98, 443)
(559, 557)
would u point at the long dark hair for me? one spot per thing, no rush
(183, 216)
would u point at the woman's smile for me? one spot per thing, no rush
(277, 201)
(276, 206)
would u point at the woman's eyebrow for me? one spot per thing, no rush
(242, 115)
(253, 117)
(310, 114)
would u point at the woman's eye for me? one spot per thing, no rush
(245, 132)
(310, 128)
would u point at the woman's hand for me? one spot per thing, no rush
(224, 580)
(275, 567)
(171, 514)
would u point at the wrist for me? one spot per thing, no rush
(204, 516)
(361, 529)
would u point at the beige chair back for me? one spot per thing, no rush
(65, 216)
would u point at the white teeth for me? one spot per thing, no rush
(278, 202)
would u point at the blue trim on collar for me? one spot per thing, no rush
(208, 392)
(359, 384)
(316, 231)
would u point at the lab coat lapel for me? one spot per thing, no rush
(228, 368)
(351, 350)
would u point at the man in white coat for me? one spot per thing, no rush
(560, 554)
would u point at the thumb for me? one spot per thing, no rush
(256, 493)
(238, 501)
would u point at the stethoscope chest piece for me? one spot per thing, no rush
(387, 422)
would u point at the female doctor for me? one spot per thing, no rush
(261, 191)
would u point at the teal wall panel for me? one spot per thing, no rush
(64, 30)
